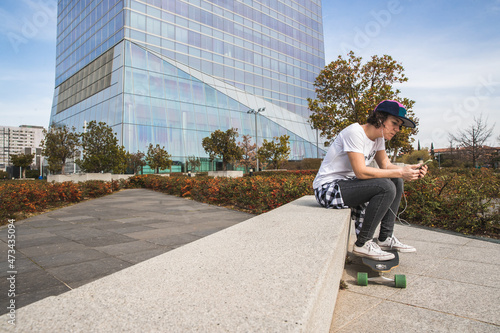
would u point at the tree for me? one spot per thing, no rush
(223, 144)
(416, 155)
(23, 161)
(101, 152)
(347, 92)
(158, 158)
(136, 161)
(249, 155)
(4, 175)
(59, 144)
(471, 139)
(275, 153)
(192, 163)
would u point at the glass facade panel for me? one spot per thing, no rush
(181, 70)
(141, 82)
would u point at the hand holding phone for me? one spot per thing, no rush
(425, 163)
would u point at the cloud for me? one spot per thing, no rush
(27, 22)
(452, 79)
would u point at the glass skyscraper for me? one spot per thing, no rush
(170, 72)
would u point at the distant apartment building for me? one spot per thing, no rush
(19, 140)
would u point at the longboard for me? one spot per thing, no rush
(382, 267)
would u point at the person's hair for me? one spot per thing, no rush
(377, 118)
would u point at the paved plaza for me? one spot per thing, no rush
(69, 247)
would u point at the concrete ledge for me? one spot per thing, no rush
(276, 272)
(82, 177)
(230, 174)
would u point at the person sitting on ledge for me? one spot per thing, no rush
(345, 179)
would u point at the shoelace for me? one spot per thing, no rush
(373, 246)
(395, 241)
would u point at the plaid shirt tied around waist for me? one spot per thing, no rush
(329, 196)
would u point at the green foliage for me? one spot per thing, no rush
(249, 155)
(60, 143)
(23, 161)
(223, 144)
(192, 163)
(305, 164)
(136, 161)
(275, 152)
(253, 194)
(32, 173)
(101, 152)
(348, 91)
(120, 161)
(4, 175)
(462, 200)
(18, 199)
(158, 158)
(288, 173)
(415, 156)
(96, 188)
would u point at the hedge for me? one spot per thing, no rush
(463, 200)
(20, 198)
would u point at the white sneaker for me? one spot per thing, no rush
(392, 243)
(372, 250)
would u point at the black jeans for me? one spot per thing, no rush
(382, 195)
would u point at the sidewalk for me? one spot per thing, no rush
(69, 247)
(452, 286)
(452, 280)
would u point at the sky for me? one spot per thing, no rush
(450, 50)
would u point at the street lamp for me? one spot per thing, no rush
(256, 135)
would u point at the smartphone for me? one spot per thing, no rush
(425, 163)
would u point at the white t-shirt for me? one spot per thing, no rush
(336, 164)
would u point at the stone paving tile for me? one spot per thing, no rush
(393, 317)
(28, 298)
(26, 233)
(48, 249)
(174, 240)
(137, 257)
(22, 264)
(87, 271)
(72, 246)
(461, 299)
(206, 232)
(30, 282)
(47, 240)
(125, 248)
(104, 224)
(66, 258)
(105, 240)
(83, 233)
(158, 233)
(75, 218)
(130, 228)
(43, 224)
(157, 224)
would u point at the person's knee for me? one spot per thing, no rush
(388, 186)
(398, 183)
